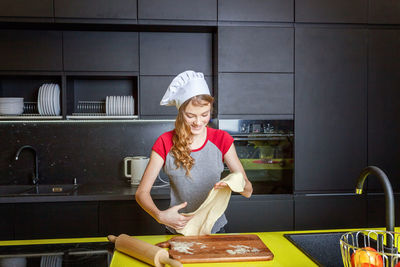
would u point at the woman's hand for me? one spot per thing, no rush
(171, 217)
(220, 185)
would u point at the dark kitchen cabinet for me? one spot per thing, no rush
(56, 220)
(7, 222)
(330, 212)
(383, 103)
(384, 12)
(181, 10)
(330, 108)
(260, 213)
(255, 49)
(152, 89)
(173, 53)
(331, 11)
(255, 93)
(100, 51)
(26, 10)
(30, 50)
(256, 10)
(95, 9)
(376, 210)
(127, 217)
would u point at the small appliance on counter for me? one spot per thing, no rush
(134, 168)
(265, 149)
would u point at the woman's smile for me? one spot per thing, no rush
(197, 117)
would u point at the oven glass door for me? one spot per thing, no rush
(265, 149)
(268, 162)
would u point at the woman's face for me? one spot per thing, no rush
(197, 117)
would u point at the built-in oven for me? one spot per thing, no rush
(265, 149)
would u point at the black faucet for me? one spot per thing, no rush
(389, 198)
(35, 177)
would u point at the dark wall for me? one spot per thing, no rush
(92, 152)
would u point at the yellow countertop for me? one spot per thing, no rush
(285, 253)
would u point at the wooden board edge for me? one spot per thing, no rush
(232, 259)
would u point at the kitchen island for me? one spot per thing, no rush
(285, 252)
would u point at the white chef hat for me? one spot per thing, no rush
(184, 86)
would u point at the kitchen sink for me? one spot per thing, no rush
(39, 190)
(322, 248)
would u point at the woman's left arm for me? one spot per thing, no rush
(232, 160)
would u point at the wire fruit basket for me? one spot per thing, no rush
(370, 248)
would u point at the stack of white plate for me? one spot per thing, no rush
(49, 99)
(120, 105)
(11, 105)
(51, 261)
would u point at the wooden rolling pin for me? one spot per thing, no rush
(143, 251)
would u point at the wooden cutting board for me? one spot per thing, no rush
(217, 248)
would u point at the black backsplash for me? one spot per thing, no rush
(92, 152)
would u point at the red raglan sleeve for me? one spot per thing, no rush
(221, 139)
(226, 142)
(163, 144)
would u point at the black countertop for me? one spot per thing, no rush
(89, 192)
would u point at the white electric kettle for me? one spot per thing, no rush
(134, 168)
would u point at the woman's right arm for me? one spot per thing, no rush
(171, 216)
(142, 195)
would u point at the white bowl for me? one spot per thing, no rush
(11, 107)
(11, 100)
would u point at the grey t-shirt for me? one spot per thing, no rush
(205, 172)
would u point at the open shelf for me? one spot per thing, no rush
(86, 95)
(27, 86)
(83, 95)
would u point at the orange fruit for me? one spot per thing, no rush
(366, 257)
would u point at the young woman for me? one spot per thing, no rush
(192, 155)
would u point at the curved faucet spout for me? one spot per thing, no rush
(389, 198)
(35, 178)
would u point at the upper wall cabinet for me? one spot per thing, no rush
(384, 12)
(26, 10)
(255, 93)
(30, 50)
(205, 10)
(152, 89)
(101, 51)
(95, 9)
(173, 53)
(256, 10)
(330, 108)
(255, 49)
(383, 103)
(331, 11)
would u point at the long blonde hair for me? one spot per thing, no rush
(182, 138)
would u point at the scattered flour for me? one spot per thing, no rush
(241, 249)
(201, 245)
(186, 247)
